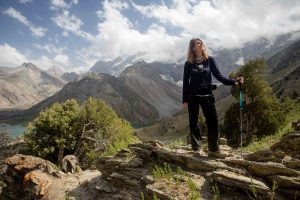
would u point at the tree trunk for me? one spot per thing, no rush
(60, 154)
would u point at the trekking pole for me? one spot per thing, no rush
(241, 112)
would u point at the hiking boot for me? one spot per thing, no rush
(217, 154)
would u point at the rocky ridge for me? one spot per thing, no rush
(151, 169)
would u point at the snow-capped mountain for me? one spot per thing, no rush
(116, 66)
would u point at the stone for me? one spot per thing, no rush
(155, 143)
(37, 182)
(294, 164)
(238, 162)
(285, 181)
(69, 163)
(128, 181)
(289, 143)
(143, 153)
(171, 156)
(236, 180)
(204, 164)
(271, 168)
(24, 164)
(264, 155)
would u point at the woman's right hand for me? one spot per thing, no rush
(185, 105)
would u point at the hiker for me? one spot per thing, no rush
(197, 90)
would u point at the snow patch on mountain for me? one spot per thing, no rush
(240, 61)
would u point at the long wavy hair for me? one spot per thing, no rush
(191, 56)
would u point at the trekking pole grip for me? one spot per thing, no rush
(240, 84)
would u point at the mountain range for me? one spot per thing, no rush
(26, 85)
(144, 92)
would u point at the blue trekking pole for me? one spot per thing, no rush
(241, 112)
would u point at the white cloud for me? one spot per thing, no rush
(118, 37)
(71, 23)
(36, 31)
(56, 4)
(61, 59)
(44, 62)
(220, 23)
(75, 2)
(228, 23)
(50, 48)
(10, 57)
(25, 1)
(61, 4)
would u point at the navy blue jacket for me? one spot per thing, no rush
(199, 78)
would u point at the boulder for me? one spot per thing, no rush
(24, 164)
(70, 163)
(37, 183)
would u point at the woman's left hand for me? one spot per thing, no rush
(240, 80)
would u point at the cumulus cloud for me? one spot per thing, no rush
(36, 31)
(61, 4)
(70, 23)
(58, 3)
(25, 1)
(117, 36)
(10, 57)
(50, 48)
(220, 23)
(61, 59)
(228, 23)
(44, 62)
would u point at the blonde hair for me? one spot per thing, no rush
(191, 56)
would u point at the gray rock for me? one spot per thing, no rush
(236, 180)
(270, 168)
(286, 182)
(261, 156)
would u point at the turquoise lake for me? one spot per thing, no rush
(13, 130)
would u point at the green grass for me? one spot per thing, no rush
(162, 172)
(268, 141)
(165, 172)
(176, 143)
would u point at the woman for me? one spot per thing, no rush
(197, 90)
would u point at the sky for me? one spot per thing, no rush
(74, 34)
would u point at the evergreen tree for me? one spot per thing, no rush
(53, 133)
(101, 131)
(85, 131)
(262, 112)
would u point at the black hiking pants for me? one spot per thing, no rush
(211, 119)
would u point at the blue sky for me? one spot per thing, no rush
(74, 34)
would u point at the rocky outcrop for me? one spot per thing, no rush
(152, 170)
(29, 177)
(286, 151)
(239, 173)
